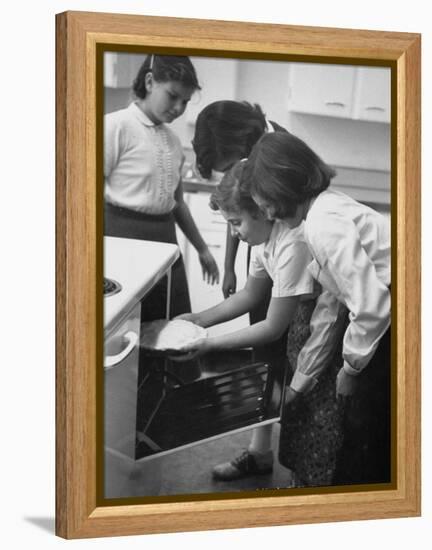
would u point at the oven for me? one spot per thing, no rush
(152, 406)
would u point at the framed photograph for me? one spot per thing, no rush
(254, 357)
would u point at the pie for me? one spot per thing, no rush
(162, 335)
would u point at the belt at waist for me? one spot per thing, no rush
(137, 214)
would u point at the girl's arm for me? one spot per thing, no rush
(229, 283)
(238, 304)
(186, 223)
(279, 315)
(336, 245)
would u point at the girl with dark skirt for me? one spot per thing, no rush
(350, 248)
(143, 159)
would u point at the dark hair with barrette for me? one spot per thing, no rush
(165, 68)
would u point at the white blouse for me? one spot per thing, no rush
(284, 258)
(142, 162)
(350, 245)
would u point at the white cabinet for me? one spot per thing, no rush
(373, 97)
(213, 230)
(321, 89)
(360, 93)
(120, 69)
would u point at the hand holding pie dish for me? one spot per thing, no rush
(170, 337)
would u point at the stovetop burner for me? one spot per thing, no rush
(111, 287)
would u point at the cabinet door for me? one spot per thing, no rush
(321, 89)
(373, 94)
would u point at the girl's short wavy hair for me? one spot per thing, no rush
(225, 130)
(233, 196)
(166, 68)
(285, 172)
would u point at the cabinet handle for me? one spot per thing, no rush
(375, 108)
(111, 361)
(214, 245)
(335, 104)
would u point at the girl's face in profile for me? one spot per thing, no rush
(165, 101)
(253, 230)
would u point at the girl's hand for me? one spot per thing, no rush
(229, 284)
(209, 267)
(192, 351)
(191, 317)
(291, 395)
(346, 384)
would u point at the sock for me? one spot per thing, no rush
(261, 440)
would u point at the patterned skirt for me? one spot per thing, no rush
(311, 432)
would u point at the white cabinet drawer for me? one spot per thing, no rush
(341, 91)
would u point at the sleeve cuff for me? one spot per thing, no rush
(302, 382)
(349, 370)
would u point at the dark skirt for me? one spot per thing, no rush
(311, 431)
(128, 224)
(366, 453)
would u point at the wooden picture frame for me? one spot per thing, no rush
(79, 317)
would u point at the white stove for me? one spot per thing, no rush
(131, 269)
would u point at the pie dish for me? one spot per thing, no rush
(164, 336)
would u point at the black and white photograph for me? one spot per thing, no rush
(247, 275)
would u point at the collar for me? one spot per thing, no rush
(269, 127)
(140, 115)
(269, 243)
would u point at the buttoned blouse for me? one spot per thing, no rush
(142, 162)
(284, 258)
(350, 245)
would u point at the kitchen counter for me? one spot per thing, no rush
(191, 185)
(137, 265)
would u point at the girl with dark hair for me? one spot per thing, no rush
(225, 132)
(143, 159)
(350, 246)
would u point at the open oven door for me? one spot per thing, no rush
(173, 414)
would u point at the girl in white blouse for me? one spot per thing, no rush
(350, 246)
(143, 160)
